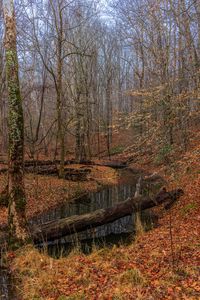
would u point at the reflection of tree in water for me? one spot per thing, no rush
(111, 233)
(107, 234)
(105, 198)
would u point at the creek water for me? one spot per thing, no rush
(6, 286)
(117, 232)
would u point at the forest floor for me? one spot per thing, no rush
(163, 263)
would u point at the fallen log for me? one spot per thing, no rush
(42, 170)
(59, 228)
(113, 164)
(3, 162)
(76, 174)
(69, 173)
(36, 163)
(48, 167)
(55, 162)
(3, 170)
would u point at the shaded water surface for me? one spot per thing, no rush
(119, 231)
(6, 286)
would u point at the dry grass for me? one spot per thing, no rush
(42, 277)
(132, 276)
(139, 228)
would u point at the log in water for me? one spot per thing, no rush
(59, 228)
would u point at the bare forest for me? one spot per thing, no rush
(99, 149)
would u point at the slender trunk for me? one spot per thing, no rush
(78, 139)
(61, 136)
(109, 108)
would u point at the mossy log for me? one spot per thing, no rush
(59, 228)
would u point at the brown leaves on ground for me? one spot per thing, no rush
(143, 270)
(151, 268)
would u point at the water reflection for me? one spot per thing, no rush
(105, 198)
(116, 232)
(6, 287)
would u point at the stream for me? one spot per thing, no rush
(6, 286)
(118, 232)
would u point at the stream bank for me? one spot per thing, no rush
(117, 232)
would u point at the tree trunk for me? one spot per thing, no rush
(61, 135)
(17, 199)
(60, 228)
